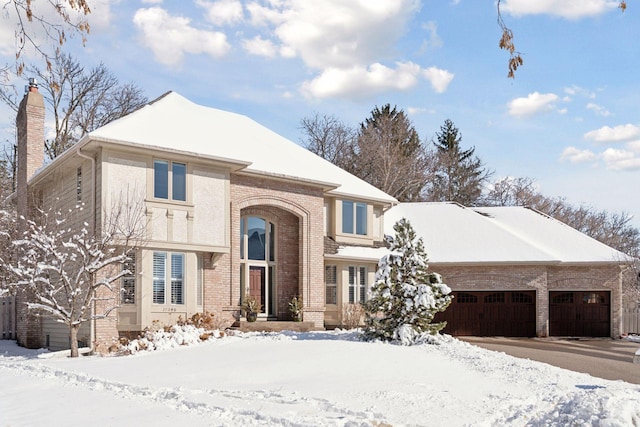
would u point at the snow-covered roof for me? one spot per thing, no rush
(172, 122)
(456, 234)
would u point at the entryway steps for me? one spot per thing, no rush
(273, 326)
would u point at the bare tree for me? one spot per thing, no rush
(81, 100)
(329, 138)
(72, 274)
(52, 20)
(386, 151)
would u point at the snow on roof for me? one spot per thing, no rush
(175, 123)
(552, 236)
(453, 233)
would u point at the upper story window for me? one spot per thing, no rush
(169, 179)
(354, 218)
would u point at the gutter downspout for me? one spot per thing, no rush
(92, 328)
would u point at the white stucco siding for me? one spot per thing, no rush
(159, 224)
(125, 182)
(180, 226)
(211, 202)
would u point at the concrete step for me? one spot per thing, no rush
(273, 326)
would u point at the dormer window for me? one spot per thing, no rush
(169, 178)
(354, 218)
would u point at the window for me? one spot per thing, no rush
(496, 298)
(79, 185)
(175, 277)
(565, 298)
(258, 250)
(465, 298)
(357, 285)
(165, 172)
(331, 282)
(354, 218)
(200, 282)
(128, 291)
(521, 298)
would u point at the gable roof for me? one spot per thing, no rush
(172, 122)
(453, 233)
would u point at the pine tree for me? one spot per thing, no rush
(405, 296)
(459, 174)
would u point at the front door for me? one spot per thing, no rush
(257, 285)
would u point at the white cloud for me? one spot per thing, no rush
(619, 133)
(439, 79)
(337, 33)
(577, 90)
(599, 110)
(347, 43)
(575, 155)
(152, 1)
(620, 159)
(170, 37)
(259, 46)
(534, 103)
(570, 9)
(222, 12)
(433, 41)
(361, 82)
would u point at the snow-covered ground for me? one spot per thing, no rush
(305, 379)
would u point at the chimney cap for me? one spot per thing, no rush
(33, 85)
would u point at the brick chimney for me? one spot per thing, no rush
(30, 129)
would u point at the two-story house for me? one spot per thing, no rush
(230, 208)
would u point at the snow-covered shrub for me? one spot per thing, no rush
(405, 296)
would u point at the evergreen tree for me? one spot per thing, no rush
(459, 174)
(405, 296)
(390, 156)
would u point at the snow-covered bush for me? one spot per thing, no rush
(405, 296)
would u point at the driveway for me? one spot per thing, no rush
(599, 357)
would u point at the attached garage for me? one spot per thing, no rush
(491, 313)
(580, 313)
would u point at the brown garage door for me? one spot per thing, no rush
(581, 314)
(496, 313)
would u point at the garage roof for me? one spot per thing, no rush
(454, 234)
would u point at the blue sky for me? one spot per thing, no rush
(569, 119)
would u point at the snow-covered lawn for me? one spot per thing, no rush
(305, 379)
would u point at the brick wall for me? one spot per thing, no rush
(300, 252)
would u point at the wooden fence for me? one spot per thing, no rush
(8, 318)
(631, 319)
